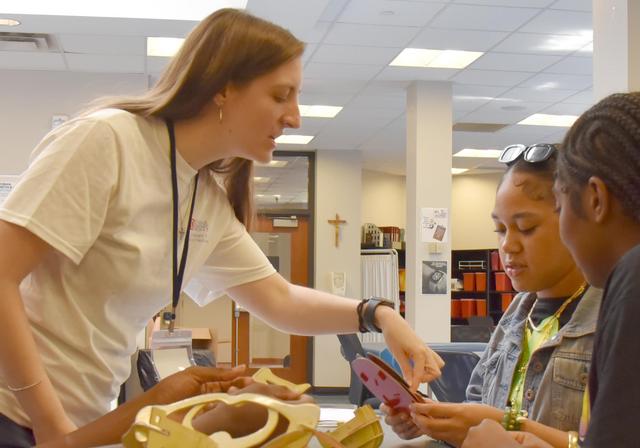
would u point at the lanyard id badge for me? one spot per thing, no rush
(177, 273)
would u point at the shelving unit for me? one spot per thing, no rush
(487, 290)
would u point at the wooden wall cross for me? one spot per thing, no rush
(336, 222)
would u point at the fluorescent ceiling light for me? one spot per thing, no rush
(194, 10)
(549, 120)
(293, 139)
(458, 170)
(319, 111)
(568, 43)
(274, 164)
(479, 153)
(420, 57)
(163, 46)
(261, 180)
(9, 22)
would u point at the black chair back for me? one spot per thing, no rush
(456, 373)
(351, 347)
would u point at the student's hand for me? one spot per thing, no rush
(451, 421)
(400, 422)
(490, 434)
(407, 347)
(245, 419)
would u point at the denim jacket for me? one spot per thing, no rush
(557, 373)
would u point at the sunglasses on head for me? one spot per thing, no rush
(532, 154)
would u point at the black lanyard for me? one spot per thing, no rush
(177, 274)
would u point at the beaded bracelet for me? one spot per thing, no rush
(512, 418)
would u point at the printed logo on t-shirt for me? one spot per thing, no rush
(199, 230)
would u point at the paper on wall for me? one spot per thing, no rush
(434, 225)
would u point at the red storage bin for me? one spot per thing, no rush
(495, 261)
(507, 298)
(469, 281)
(481, 307)
(481, 281)
(467, 308)
(456, 309)
(503, 282)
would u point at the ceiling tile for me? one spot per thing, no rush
(566, 109)
(572, 65)
(312, 126)
(105, 63)
(584, 97)
(370, 35)
(28, 60)
(156, 64)
(514, 62)
(572, 5)
(491, 77)
(324, 98)
(389, 12)
(393, 102)
(315, 33)
(443, 39)
(416, 74)
(341, 71)
(468, 98)
(560, 22)
(472, 17)
(346, 54)
(529, 94)
(511, 3)
(342, 136)
(92, 44)
(539, 44)
(333, 9)
(493, 112)
(548, 81)
(332, 86)
(309, 50)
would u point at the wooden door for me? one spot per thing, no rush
(294, 365)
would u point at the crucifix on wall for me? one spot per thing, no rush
(336, 222)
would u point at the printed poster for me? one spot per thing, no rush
(434, 277)
(435, 225)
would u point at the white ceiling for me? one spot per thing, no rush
(350, 44)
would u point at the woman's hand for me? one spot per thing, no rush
(407, 347)
(195, 380)
(451, 421)
(400, 422)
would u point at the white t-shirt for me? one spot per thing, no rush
(99, 191)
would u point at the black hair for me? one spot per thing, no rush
(605, 142)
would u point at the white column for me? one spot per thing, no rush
(616, 47)
(429, 135)
(338, 190)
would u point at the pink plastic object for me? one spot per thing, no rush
(384, 382)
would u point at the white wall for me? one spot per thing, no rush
(338, 190)
(383, 199)
(471, 205)
(28, 100)
(473, 197)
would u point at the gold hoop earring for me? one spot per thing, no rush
(220, 114)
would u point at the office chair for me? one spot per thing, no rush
(351, 347)
(456, 373)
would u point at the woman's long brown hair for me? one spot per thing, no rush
(229, 47)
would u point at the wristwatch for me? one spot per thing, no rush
(368, 318)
